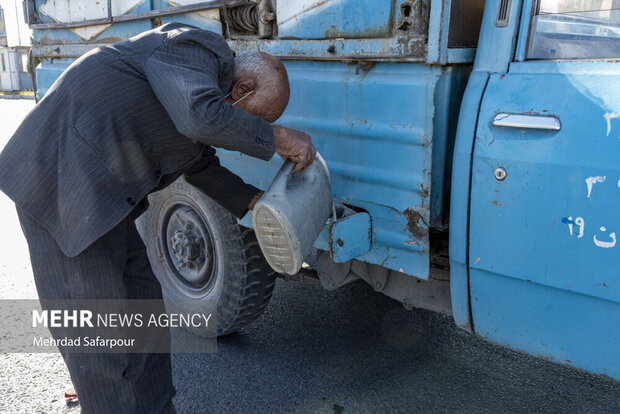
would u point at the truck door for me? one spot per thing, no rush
(544, 224)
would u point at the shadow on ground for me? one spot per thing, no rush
(354, 350)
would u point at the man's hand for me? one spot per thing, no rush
(255, 200)
(295, 146)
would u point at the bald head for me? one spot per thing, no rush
(261, 82)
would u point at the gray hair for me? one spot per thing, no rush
(269, 74)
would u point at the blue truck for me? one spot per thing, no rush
(474, 149)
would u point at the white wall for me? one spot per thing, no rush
(17, 31)
(9, 78)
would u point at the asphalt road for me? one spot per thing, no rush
(346, 351)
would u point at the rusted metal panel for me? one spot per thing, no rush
(400, 47)
(346, 236)
(374, 126)
(397, 31)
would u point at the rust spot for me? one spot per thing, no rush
(425, 139)
(334, 32)
(413, 17)
(496, 203)
(413, 223)
(367, 66)
(503, 76)
(412, 46)
(425, 192)
(477, 260)
(331, 32)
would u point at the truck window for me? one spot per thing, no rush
(465, 21)
(575, 29)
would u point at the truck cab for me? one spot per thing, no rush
(472, 147)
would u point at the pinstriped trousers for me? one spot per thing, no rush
(114, 267)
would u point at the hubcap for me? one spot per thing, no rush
(189, 246)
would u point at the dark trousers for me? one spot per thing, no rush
(114, 267)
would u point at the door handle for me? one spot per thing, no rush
(527, 121)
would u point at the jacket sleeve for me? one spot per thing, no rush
(184, 74)
(219, 183)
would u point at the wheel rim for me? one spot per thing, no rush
(188, 247)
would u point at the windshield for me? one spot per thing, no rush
(575, 29)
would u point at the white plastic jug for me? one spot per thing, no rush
(290, 215)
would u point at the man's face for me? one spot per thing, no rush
(268, 106)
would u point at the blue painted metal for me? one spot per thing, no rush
(377, 141)
(543, 251)
(460, 55)
(435, 24)
(320, 19)
(348, 237)
(445, 26)
(493, 55)
(48, 72)
(442, 117)
(448, 96)
(459, 200)
(560, 326)
(526, 16)
(496, 45)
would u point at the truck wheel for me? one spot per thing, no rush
(206, 263)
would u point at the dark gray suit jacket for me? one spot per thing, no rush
(122, 120)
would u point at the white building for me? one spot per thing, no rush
(14, 47)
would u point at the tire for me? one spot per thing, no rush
(205, 262)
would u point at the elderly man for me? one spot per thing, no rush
(121, 122)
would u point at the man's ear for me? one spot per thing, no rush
(242, 87)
